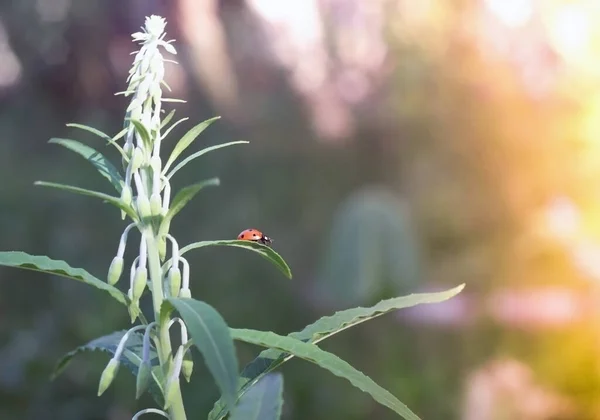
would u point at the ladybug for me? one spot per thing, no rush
(255, 235)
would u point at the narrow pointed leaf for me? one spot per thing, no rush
(167, 119)
(325, 327)
(187, 139)
(332, 363)
(47, 265)
(115, 201)
(175, 124)
(141, 129)
(264, 251)
(119, 135)
(101, 163)
(102, 135)
(91, 130)
(130, 358)
(200, 153)
(263, 401)
(211, 336)
(143, 379)
(186, 194)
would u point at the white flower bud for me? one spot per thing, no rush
(174, 280)
(143, 207)
(185, 281)
(108, 375)
(139, 282)
(143, 378)
(115, 270)
(126, 195)
(155, 26)
(172, 384)
(187, 366)
(156, 164)
(156, 205)
(137, 160)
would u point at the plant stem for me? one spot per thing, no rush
(177, 409)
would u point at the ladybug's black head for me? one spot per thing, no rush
(265, 240)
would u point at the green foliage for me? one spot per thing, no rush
(101, 163)
(143, 379)
(142, 131)
(188, 139)
(102, 135)
(262, 402)
(59, 268)
(331, 362)
(115, 201)
(130, 358)
(200, 153)
(158, 366)
(165, 121)
(212, 337)
(175, 124)
(92, 130)
(325, 327)
(186, 194)
(264, 251)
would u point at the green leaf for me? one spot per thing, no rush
(264, 251)
(91, 130)
(101, 163)
(200, 153)
(325, 327)
(185, 195)
(115, 201)
(129, 358)
(119, 135)
(143, 379)
(141, 129)
(175, 124)
(187, 139)
(167, 119)
(45, 264)
(102, 135)
(263, 401)
(212, 337)
(312, 353)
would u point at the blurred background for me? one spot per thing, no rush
(396, 146)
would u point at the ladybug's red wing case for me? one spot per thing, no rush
(250, 235)
(255, 235)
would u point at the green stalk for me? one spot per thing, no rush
(177, 409)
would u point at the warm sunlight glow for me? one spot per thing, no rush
(512, 13)
(590, 126)
(570, 31)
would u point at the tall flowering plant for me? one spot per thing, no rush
(161, 271)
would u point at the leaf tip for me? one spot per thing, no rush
(459, 288)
